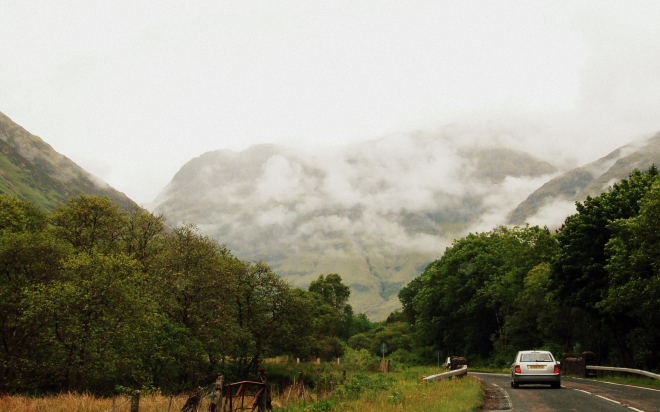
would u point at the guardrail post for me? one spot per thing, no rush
(588, 358)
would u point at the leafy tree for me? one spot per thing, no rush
(29, 257)
(269, 316)
(331, 315)
(143, 235)
(633, 293)
(463, 300)
(93, 315)
(580, 276)
(579, 273)
(190, 280)
(87, 222)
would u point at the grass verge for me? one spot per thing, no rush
(396, 391)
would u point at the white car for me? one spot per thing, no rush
(533, 367)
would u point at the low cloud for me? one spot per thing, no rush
(402, 193)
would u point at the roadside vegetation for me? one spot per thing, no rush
(594, 285)
(98, 300)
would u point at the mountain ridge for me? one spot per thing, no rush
(591, 179)
(33, 171)
(376, 213)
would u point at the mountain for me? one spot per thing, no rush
(31, 170)
(590, 180)
(376, 213)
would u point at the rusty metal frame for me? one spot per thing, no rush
(242, 391)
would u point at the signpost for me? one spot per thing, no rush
(383, 349)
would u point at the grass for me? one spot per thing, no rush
(362, 391)
(71, 402)
(489, 369)
(396, 391)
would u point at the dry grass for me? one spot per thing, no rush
(71, 402)
(377, 392)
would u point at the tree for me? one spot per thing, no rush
(29, 256)
(93, 314)
(332, 305)
(190, 279)
(143, 235)
(633, 293)
(269, 317)
(579, 272)
(462, 301)
(87, 222)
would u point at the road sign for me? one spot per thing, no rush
(383, 349)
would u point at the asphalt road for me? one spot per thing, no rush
(575, 395)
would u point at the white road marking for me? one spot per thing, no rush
(506, 395)
(617, 384)
(607, 399)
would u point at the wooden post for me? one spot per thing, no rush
(135, 401)
(169, 407)
(113, 404)
(200, 395)
(297, 360)
(338, 361)
(263, 401)
(318, 384)
(302, 384)
(216, 398)
(318, 361)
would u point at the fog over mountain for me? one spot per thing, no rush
(552, 202)
(375, 212)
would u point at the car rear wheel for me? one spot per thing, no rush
(515, 385)
(555, 385)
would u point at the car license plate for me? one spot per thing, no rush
(536, 366)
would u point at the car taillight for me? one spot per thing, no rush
(556, 368)
(518, 369)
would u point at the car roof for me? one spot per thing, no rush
(535, 351)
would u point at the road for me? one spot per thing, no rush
(575, 395)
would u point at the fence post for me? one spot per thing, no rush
(301, 380)
(216, 398)
(135, 401)
(263, 401)
(113, 404)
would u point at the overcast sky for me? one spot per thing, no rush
(132, 90)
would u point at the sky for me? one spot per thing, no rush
(131, 91)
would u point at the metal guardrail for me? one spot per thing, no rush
(610, 369)
(457, 372)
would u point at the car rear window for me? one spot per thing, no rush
(535, 357)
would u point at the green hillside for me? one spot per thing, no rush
(32, 171)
